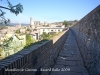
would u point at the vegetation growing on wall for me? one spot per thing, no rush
(46, 36)
(29, 40)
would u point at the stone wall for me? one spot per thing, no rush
(87, 32)
(40, 55)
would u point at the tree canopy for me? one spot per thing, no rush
(29, 40)
(65, 23)
(44, 36)
(15, 9)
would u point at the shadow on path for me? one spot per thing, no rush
(69, 60)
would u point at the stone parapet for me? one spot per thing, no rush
(87, 32)
(28, 60)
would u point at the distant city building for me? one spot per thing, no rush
(15, 41)
(41, 23)
(32, 23)
(36, 22)
(20, 24)
(23, 30)
(35, 34)
(72, 22)
(45, 23)
(13, 45)
(52, 29)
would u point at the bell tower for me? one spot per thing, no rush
(32, 23)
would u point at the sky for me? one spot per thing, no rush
(50, 10)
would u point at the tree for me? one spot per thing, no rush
(18, 31)
(65, 23)
(29, 40)
(28, 29)
(16, 9)
(44, 36)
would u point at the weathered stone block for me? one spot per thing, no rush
(89, 28)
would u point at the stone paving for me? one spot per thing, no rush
(69, 61)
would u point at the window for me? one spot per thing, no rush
(51, 30)
(58, 30)
(36, 36)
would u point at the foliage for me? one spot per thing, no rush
(17, 31)
(34, 43)
(16, 9)
(65, 23)
(28, 29)
(29, 40)
(44, 36)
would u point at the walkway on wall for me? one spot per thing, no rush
(69, 61)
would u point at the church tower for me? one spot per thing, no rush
(32, 23)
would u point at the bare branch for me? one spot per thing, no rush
(4, 7)
(16, 9)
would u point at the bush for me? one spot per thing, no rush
(29, 39)
(17, 31)
(44, 36)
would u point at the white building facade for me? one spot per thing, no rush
(51, 29)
